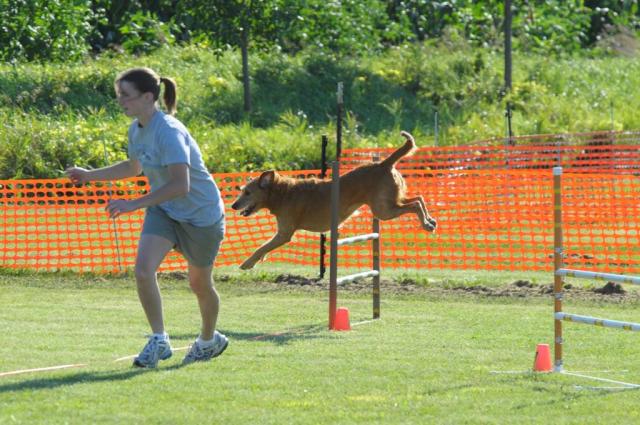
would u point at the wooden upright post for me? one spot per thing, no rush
(558, 253)
(333, 266)
(323, 174)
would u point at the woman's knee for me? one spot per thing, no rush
(201, 286)
(200, 280)
(144, 273)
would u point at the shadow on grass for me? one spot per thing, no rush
(282, 337)
(277, 337)
(560, 391)
(79, 378)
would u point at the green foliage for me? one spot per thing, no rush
(222, 21)
(51, 89)
(36, 30)
(137, 26)
(347, 27)
(41, 146)
(54, 116)
(68, 29)
(144, 32)
(554, 26)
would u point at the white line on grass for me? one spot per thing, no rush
(364, 322)
(623, 385)
(42, 369)
(68, 366)
(626, 385)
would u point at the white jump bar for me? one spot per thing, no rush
(349, 278)
(628, 326)
(598, 276)
(359, 238)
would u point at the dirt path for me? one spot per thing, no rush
(609, 292)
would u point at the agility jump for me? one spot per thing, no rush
(560, 273)
(374, 237)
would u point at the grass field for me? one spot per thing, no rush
(428, 360)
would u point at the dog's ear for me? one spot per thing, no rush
(266, 179)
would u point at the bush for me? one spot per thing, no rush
(54, 116)
(144, 33)
(38, 30)
(40, 146)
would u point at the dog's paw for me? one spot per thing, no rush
(430, 225)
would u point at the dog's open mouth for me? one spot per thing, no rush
(248, 211)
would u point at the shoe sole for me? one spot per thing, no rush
(226, 344)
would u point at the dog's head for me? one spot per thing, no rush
(253, 196)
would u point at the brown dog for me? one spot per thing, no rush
(306, 203)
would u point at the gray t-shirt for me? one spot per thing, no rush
(165, 141)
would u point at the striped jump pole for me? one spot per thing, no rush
(334, 280)
(560, 273)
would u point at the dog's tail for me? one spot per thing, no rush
(407, 149)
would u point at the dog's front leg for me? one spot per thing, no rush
(278, 240)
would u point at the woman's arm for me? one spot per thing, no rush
(177, 186)
(118, 171)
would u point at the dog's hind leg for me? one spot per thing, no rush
(278, 240)
(410, 205)
(428, 220)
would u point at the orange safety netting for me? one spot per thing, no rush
(493, 213)
(606, 151)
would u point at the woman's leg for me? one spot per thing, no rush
(201, 282)
(151, 251)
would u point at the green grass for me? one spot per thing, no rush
(428, 360)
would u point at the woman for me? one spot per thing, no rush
(184, 209)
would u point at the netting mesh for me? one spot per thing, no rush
(493, 206)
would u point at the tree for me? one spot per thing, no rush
(44, 30)
(234, 23)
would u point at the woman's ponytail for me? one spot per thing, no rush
(170, 95)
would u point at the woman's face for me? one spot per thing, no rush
(130, 99)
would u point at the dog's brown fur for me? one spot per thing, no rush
(306, 204)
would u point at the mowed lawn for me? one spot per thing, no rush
(431, 358)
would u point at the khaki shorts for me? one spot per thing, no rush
(199, 245)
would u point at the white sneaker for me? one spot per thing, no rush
(198, 353)
(156, 349)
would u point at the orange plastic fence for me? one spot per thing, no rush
(605, 151)
(493, 214)
(53, 225)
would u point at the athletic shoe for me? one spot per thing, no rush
(156, 349)
(197, 353)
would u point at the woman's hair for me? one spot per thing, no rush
(145, 80)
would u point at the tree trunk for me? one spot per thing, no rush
(245, 68)
(507, 46)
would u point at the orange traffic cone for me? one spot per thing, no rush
(341, 322)
(542, 361)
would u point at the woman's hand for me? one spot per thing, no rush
(77, 175)
(117, 207)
